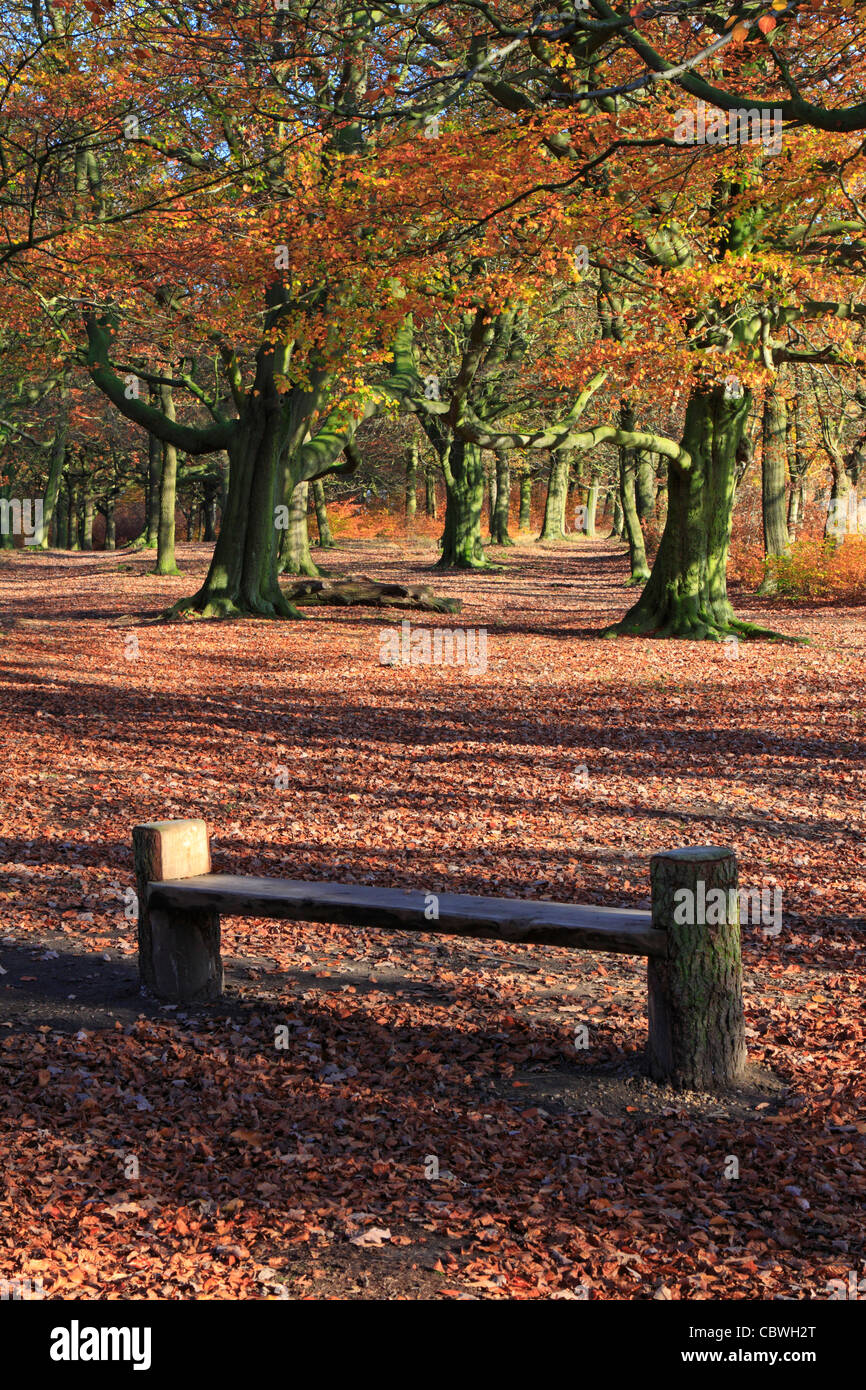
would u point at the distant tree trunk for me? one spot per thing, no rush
(592, 502)
(88, 512)
(499, 521)
(524, 520)
(774, 468)
(553, 528)
(110, 524)
(209, 510)
(295, 557)
(618, 524)
(797, 459)
(645, 485)
(430, 505)
(154, 472)
(631, 522)
(56, 465)
(490, 475)
(326, 540)
(165, 556)
(62, 520)
(72, 517)
(661, 507)
(837, 512)
(412, 480)
(6, 539)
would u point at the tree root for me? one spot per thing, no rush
(695, 627)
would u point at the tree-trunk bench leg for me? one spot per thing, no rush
(178, 952)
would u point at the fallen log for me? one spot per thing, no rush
(370, 593)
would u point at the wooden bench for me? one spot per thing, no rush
(694, 972)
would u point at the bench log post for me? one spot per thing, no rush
(178, 951)
(696, 1024)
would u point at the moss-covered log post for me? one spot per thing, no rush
(696, 1025)
(178, 952)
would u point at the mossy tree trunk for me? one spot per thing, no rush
(86, 519)
(840, 490)
(56, 465)
(464, 491)
(430, 504)
(645, 485)
(589, 525)
(490, 475)
(326, 540)
(686, 594)
(628, 466)
(661, 508)
(109, 512)
(412, 480)
(295, 557)
(72, 515)
(774, 468)
(62, 520)
(499, 523)
(524, 519)
(7, 541)
(553, 527)
(165, 556)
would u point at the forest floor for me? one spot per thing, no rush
(431, 1129)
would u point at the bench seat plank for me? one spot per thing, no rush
(625, 930)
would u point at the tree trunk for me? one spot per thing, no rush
(165, 557)
(464, 489)
(430, 493)
(72, 517)
(592, 502)
(209, 511)
(499, 522)
(774, 468)
(628, 465)
(295, 557)
(88, 512)
(326, 540)
(686, 594)
(62, 518)
(837, 512)
(7, 541)
(412, 481)
(553, 528)
(645, 485)
(242, 578)
(110, 524)
(154, 473)
(524, 520)
(56, 465)
(661, 508)
(490, 474)
(618, 523)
